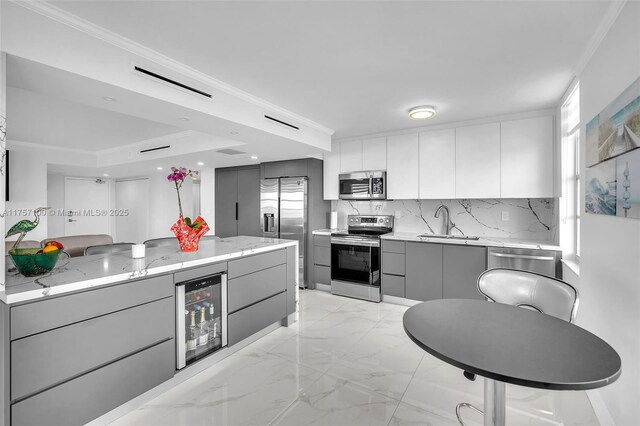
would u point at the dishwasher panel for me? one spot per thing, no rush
(546, 262)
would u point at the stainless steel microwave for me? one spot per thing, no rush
(371, 185)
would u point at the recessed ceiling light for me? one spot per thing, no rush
(183, 119)
(159, 168)
(254, 157)
(422, 112)
(233, 133)
(200, 163)
(105, 174)
(108, 98)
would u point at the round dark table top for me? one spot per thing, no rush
(512, 344)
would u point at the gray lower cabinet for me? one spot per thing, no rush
(255, 263)
(322, 259)
(322, 274)
(393, 285)
(251, 288)
(43, 315)
(80, 347)
(82, 399)
(424, 271)
(248, 321)
(322, 255)
(462, 265)
(291, 280)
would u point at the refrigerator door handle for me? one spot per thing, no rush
(236, 211)
(181, 348)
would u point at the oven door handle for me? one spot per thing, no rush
(371, 186)
(353, 242)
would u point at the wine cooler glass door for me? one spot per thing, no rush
(201, 318)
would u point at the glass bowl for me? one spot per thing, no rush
(31, 263)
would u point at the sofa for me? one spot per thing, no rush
(74, 245)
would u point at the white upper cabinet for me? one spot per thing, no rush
(402, 167)
(438, 164)
(351, 156)
(478, 161)
(527, 158)
(331, 170)
(374, 154)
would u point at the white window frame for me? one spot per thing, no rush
(570, 202)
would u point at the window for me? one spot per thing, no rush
(570, 201)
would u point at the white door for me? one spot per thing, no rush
(132, 207)
(87, 204)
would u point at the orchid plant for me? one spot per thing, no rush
(177, 176)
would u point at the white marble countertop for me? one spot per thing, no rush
(80, 273)
(483, 241)
(326, 231)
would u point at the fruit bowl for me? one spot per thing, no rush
(31, 263)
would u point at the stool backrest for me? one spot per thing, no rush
(162, 242)
(108, 248)
(530, 290)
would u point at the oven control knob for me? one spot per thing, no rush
(351, 220)
(357, 219)
(380, 220)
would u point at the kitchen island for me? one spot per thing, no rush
(100, 330)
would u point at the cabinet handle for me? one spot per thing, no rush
(236, 211)
(522, 256)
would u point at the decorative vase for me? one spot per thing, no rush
(188, 237)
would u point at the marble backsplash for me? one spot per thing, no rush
(529, 218)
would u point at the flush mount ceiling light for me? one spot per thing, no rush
(200, 163)
(183, 119)
(422, 112)
(158, 168)
(108, 98)
(254, 157)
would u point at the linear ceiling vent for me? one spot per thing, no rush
(170, 81)
(282, 122)
(159, 148)
(230, 151)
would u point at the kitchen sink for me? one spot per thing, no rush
(449, 237)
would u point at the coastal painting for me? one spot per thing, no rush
(616, 129)
(628, 183)
(600, 189)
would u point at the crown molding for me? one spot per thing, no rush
(53, 12)
(608, 19)
(33, 145)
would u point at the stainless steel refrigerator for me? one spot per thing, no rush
(283, 213)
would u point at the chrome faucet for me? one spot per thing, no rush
(448, 223)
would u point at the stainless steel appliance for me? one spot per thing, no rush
(368, 185)
(355, 257)
(546, 262)
(283, 213)
(201, 318)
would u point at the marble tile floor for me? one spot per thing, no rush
(346, 362)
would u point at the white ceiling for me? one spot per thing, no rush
(357, 67)
(51, 121)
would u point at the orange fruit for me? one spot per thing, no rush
(47, 249)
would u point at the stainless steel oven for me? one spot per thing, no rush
(356, 259)
(368, 185)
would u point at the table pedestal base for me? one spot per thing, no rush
(494, 403)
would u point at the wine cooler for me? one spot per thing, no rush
(201, 318)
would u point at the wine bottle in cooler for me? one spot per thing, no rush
(192, 336)
(203, 336)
